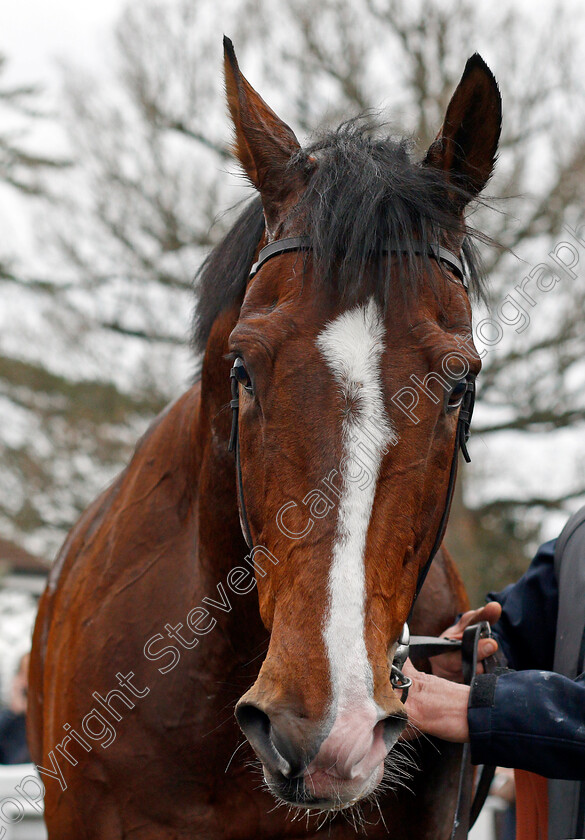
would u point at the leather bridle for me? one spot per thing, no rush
(303, 243)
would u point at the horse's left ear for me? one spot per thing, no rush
(264, 144)
(465, 147)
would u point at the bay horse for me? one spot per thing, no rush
(349, 346)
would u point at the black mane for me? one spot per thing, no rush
(365, 195)
(223, 276)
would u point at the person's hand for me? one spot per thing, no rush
(436, 706)
(448, 665)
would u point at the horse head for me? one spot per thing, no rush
(352, 354)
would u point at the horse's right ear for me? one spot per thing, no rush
(466, 146)
(264, 144)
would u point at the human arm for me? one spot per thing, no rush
(437, 703)
(523, 618)
(532, 720)
(526, 630)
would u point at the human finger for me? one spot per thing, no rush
(489, 612)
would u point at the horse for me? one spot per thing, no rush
(277, 582)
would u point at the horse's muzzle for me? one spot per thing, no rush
(306, 766)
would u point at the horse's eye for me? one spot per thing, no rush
(242, 374)
(457, 394)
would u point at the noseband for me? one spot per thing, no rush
(455, 265)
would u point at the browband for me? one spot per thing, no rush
(303, 243)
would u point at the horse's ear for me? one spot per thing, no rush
(264, 144)
(465, 147)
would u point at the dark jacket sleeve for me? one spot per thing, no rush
(527, 629)
(532, 720)
(529, 718)
(13, 746)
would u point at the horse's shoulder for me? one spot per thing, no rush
(92, 546)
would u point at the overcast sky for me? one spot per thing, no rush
(35, 33)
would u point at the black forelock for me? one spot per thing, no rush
(366, 195)
(223, 276)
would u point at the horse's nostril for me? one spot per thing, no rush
(252, 720)
(255, 725)
(394, 725)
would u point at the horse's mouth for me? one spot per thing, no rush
(321, 790)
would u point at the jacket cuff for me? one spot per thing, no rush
(479, 715)
(483, 691)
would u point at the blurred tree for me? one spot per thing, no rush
(52, 424)
(137, 213)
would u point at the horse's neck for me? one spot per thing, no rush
(221, 546)
(220, 537)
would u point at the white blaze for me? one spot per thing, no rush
(352, 345)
